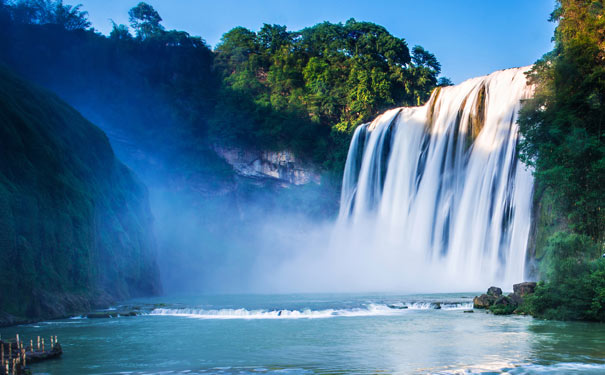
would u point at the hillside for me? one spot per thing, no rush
(76, 225)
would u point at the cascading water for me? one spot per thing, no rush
(435, 195)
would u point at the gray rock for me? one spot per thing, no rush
(503, 301)
(523, 289)
(515, 298)
(483, 301)
(494, 291)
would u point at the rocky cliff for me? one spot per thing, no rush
(75, 224)
(282, 166)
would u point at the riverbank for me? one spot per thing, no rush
(499, 304)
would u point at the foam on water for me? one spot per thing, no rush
(367, 310)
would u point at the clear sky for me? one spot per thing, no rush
(469, 37)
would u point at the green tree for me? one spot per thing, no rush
(562, 128)
(563, 124)
(119, 32)
(145, 20)
(51, 12)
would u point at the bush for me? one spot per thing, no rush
(575, 284)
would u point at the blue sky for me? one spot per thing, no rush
(469, 37)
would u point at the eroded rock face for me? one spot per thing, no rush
(483, 301)
(280, 165)
(523, 289)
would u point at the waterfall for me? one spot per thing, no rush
(437, 194)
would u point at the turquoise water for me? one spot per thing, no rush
(319, 334)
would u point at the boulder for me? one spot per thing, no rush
(515, 298)
(483, 301)
(102, 314)
(503, 301)
(523, 289)
(494, 291)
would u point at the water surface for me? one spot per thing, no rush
(320, 334)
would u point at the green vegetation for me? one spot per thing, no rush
(563, 140)
(75, 222)
(167, 99)
(273, 89)
(503, 309)
(575, 286)
(308, 90)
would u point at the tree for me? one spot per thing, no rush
(563, 124)
(71, 17)
(51, 12)
(444, 81)
(425, 59)
(145, 20)
(273, 37)
(119, 32)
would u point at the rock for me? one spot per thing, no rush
(494, 291)
(523, 289)
(515, 298)
(503, 301)
(102, 314)
(468, 311)
(128, 313)
(437, 306)
(483, 301)
(282, 165)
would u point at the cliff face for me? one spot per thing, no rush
(282, 166)
(75, 224)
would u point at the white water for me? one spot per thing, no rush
(425, 205)
(368, 310)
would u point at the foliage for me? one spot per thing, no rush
(43, 12)
(305, 90)
(503, 309)
(563, 124)
(273, 89)
(145, 20)
(75, 221)
(562, 128)
(575, 286)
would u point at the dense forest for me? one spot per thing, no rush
(563, 140)
(274, 89)
(167, 100)
(76, 225)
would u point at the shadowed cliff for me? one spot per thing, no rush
(75, 222)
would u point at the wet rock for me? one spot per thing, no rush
(523, 289)
(468, 311)
(437, 306)
(128, 313)
(515, 298)
(102, 314)
(483, 301)
(494, 291)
